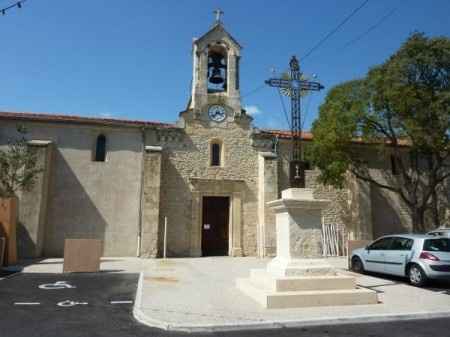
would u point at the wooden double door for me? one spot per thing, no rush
(215, 226)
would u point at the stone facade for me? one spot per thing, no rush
(33, 212)
(149, 237)
(82, 198)
(186, 165)
(155, 172)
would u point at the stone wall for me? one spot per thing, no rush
(366, 210)
(391, 215)
(88, 199)
(268, 191)
(186, 156)
(150, 230)
(336, 212)
(76, 197)
(33, 204)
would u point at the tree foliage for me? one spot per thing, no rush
(400, 108)
(18, 166)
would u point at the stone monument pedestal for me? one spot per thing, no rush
(298, 276)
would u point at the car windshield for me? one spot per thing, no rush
(437, 245)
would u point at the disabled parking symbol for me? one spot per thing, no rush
(69, 303)
(56, 285)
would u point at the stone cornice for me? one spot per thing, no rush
(282, 205)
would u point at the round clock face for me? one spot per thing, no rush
(216, 113)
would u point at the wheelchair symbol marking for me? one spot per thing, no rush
(56, 285)
(69, 303)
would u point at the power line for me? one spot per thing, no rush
(306, 109)
(371, 28)
(17, 4)
(326, 37)
(251, 92)
(284, 108)
(359, 37)
(318, 44)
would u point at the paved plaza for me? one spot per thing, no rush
(199, 294)
(101, 307)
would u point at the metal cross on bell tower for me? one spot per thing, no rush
(218, 12)
(294, 86)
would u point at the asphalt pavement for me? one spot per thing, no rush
(100, 304)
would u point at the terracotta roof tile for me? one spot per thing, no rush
(39, 117)
(306, 135)
(285, 134)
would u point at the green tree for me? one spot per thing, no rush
(18, 166)
(401, 109)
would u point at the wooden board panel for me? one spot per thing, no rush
(8, 228)
(82, 255)
(2, 250)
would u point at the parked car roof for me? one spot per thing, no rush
(410, 236)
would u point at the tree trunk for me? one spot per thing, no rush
(435, 210)
(417, 217)
(8, 228)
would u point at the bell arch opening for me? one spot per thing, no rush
(217, 68)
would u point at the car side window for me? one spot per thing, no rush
(382, 244)
(402, 244)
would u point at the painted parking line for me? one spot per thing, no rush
(121, 302)
(69, 303)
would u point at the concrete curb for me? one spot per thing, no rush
(139, 314)
(141, 317)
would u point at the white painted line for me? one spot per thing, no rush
(27, 303)
(121, 302)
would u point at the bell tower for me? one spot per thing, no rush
(215, 80)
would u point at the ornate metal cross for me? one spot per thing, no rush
(294, 86)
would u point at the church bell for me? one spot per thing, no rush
(216, 77)
(215, 65)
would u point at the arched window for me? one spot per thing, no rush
(100, 148)
(216, 153)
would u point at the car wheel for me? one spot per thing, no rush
(417, 276)
(357, 265)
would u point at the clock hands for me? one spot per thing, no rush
(216, 113)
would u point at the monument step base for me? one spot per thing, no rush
(306, 298)
(266, 280)
(283, 267)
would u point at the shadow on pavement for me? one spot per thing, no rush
(441, 286)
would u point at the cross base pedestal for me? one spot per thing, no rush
(303, 291)
(298, 276)
(299, 267)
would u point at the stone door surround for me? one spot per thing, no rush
(217, 188)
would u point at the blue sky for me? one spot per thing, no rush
(132, 59)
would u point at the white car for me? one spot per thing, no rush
(440, 232)
(418, 257)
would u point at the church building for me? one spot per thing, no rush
(209, 175)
